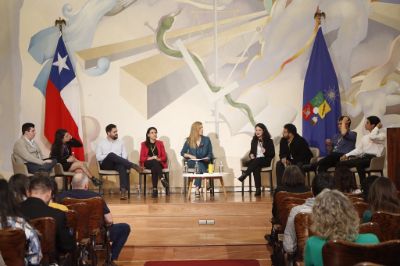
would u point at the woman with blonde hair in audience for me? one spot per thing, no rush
(10, 217)
(333, 218)
(382, 196)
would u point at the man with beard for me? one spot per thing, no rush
(112, 155)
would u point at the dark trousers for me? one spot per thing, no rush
(118, 235)
(119, 164)
(156, 170)
(330, 160)
(360, 163)
(280, 169)
(254, 166)
(46, 167)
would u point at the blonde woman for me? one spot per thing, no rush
(334, 218)
(195, 147)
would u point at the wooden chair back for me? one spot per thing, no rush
(281, 195)
(287, 205)
(302, 223)
(343, 253)
(82, 219)
(12, 246)
(47, 229)
(372, 228)
(360, 207)
(389, 224)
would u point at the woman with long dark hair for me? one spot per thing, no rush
(18, 184)
(10, 217)
(262, 151)
(61, 150)
(154, 157)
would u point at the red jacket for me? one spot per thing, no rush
(144, 151)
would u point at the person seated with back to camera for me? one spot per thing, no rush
(262, 151)
(197, 146)
(154, 157)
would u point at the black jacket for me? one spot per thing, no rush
(33, 208)
(62, 153)
(268, 145)
(297, 152)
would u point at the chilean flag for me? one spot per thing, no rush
(63, 99)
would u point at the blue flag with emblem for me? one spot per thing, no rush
(321, 97)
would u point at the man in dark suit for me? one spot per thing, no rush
(36, 206)
(294, 150)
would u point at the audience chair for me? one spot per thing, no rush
(343, 253)
(143, 176)
(19, 168)
(302, 223)
(47, 229)
(360, 207)
(389, 224)
(103, 173)
(98, 230)
(372, 228)
(267, 170)
(13, 246)
(287, 205)
(311, 167)
(65, 175)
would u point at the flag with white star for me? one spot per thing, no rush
(62, 109)
(321, 97)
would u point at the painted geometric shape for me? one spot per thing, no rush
(324, 109)
(318, 99)
(307, 111)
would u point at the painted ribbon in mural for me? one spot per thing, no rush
(165, 24)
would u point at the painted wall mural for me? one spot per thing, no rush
(228, 63)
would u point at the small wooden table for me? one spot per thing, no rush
(204, 177)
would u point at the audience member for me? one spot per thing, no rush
(119, 232)
(319, 183)
(294, 150)
(28, 152)
(333, 218)
(382, 196)
(10, 217)
(111, 155)
(345, 181)
(19, 185)
(53, 202)
(262, 151)
(36, 206)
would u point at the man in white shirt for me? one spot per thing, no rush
(112, 155)
(28, 152)
(319, 183)
(372, 145)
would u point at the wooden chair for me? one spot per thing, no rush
(268, 170)
(302, 223)
(308, 168)
(360, 207)
(389, 224)
(65, 175)
(98, 230)
(372, 228)
(281, 195)
(146, 172)
(342, 253)
(12, 246)
(287, 205)
(47, 229)
(103, 173)
(19, 168)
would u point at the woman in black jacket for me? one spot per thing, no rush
(262, 151)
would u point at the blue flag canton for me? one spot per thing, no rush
(320, 105)
(62, 71)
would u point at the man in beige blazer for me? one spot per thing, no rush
(28, 152)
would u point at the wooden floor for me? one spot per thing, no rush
(167, 228)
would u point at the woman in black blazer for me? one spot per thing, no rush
(262, 151)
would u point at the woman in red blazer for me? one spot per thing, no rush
(153, 157)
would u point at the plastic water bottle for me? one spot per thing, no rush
(221, 167)
(196, 168)
(185, 167)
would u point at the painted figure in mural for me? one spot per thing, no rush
(28, 152)
(197, 150)
(154, 157)
(62, 152)
(262, 151)
(293, 150)
(111, 155)
(372, 145)
(340, 144)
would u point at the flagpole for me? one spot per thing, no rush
(59, 22)
(318, 16)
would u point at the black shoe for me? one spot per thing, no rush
(241, 178)
(138, 168)
(123, 195)
(164, 182)
(258, 192)
(155, 193)
(97, 182)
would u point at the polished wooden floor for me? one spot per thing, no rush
(167, 228)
